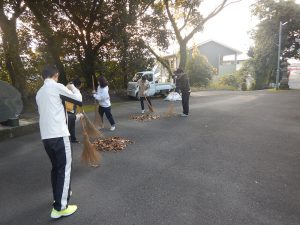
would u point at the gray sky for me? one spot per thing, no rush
(230, 27)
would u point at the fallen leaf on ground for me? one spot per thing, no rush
(145, 117)
(111, 144)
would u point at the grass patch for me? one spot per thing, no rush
(215, 86)
(272, 90)
(89, 108)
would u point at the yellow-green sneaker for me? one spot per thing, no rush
(65, 212)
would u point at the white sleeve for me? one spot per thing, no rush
(74, 94)
(102, 95)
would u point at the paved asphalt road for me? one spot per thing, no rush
(234, 161)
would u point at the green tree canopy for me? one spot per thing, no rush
(198, 68)
(266, 36)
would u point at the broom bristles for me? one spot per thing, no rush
(98, 121)
(151, 109)
(90, 155)
(90, 129)
(170, 110)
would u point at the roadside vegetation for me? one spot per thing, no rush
(90, 38)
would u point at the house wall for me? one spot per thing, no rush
(214, 53)
(226, 69)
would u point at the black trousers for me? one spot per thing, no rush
(107, 111)
(71, 125)
(59, 152)
(185, 102)
(142, 102)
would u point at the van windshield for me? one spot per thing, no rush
(136, 77)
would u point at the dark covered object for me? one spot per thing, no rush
(11, 104)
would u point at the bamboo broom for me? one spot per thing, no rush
(151, 109)
(90, 129)
(170, 109)
(90, 155)
(98, 121)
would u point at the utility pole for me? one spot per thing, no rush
(279, 53)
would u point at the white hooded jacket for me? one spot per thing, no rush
(51, 109)
(102, 96)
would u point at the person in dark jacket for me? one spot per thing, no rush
(182, 82)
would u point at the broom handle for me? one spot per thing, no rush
(149, 105)
(96, 104)
(83, 126)
(93, 82)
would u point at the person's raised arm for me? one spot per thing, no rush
(70, 94)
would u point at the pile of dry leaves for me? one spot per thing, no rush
(145, 117)
(111, 144)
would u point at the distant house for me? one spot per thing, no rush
(223, 58)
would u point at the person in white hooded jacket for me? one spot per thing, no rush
(102, 96)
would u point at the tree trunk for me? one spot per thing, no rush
(124, 60)
(88, 66)
(53, 49)
(13, 60)
(183, 55)
(52, 44)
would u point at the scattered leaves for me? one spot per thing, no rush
(111, 144)
(145, 117)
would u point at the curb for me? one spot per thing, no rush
(27, 126)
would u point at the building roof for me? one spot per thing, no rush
(207, 42)
(219, 43)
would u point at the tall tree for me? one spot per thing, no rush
(9, 13)
(88, 25)
(186, 20)
(198, 68)
(127, 36)
(266, 36)
(45, 14)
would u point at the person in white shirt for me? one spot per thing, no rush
(102, 96)
(55, 136)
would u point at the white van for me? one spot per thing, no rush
(294, 78)
(156, 88)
